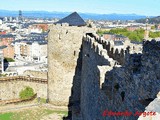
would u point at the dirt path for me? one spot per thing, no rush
(12, 107)
(38, 111)
(52, 117)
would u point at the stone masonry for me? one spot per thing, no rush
(64, 46)
(130, 86)
(10, 89)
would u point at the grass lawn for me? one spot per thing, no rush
(6, 116)
(31, 114)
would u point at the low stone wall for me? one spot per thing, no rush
(37, 74)
(3, 102)
(9, 89)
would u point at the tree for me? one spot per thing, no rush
(153, 27)
(26, 93)
(101, 32)
(136, 35)
(90, 26)
(154, 34)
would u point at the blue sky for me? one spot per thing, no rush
(141, 7)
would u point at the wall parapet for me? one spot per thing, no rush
(2, 102)
(103, 47)
(23, 78)
(93, 45)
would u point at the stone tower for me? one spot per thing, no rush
(64, 59)
(146, 33)
(64, 45)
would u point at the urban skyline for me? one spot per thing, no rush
(143, 7)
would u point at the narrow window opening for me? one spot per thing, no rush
(122, 95)
(74, 53)
(116, 86)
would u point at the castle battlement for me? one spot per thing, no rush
(108, 50)
(133, 85)
(94, 75)
(95, 46)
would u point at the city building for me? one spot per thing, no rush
(5, 42)
(115, 37)
(31, 50)
(1, 62)
(1, 22)
(133, 28)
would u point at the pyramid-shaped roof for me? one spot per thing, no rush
(73, 20)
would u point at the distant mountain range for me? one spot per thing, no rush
(153, 20)
(45, 14)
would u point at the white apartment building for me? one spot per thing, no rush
(35, 51)
(17, 51)
(1, 22)
(1, 62)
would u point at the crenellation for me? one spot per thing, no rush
(113, 53)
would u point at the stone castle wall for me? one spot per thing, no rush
(37, 74)
(90, 76)
(95, 59)
(131, 86)
(115, 53)
(10, 89)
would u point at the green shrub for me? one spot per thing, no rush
(136, 35)
(101, 32)
(9, 60)
(3, 75)
(26, 93)
(41, 100)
